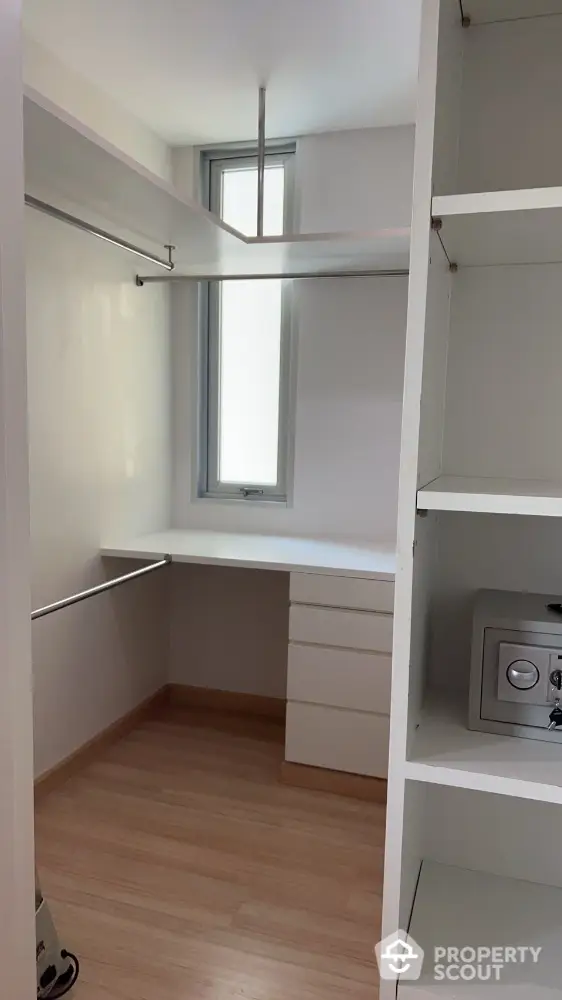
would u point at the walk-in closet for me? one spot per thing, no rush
(205, 223)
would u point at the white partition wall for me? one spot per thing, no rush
(474, 821)
(17, 946)
(425, 363)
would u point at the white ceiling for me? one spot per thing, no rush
(190, 69)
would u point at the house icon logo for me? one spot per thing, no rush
(399, 957)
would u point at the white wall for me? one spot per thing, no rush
(185, 171)
(515, 838)
(525, 151)
(354, 180)
(98, 374)
(505, 352)
(230, 629)
(45, 73)
(350, 340)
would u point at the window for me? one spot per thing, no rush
(246, 332)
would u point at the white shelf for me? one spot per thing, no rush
(445, 752)
(492, 496)
(69, 165)
(501, 227)
(466, 909)
(260, 552)
(486, 11)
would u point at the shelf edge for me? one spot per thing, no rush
(451, 777)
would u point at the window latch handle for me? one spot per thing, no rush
(246, 492)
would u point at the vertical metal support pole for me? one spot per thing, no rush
(261, 158)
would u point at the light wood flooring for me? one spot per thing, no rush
(179, 868)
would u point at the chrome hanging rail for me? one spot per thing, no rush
(100, 589)
(388, 273)
(87, 227)
(261, 158)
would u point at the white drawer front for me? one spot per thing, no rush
(342, 592)
(338, 739)
(331, 627)
(343, 678)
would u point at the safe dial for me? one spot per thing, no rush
(522, 674)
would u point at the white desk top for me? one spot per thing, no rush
(305, 555)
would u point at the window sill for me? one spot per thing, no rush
(227, 501)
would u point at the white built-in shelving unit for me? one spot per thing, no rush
(69, 165)
(474, 821)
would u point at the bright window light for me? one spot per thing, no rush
(250, 340)
(250, 366)
(247, 327)
(240, 199)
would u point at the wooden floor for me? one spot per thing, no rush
(178, 868)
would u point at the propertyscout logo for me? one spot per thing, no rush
(481, 964)
(400, 957)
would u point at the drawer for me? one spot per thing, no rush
(342, 592)
(343, 678)
(332, 627)
(338, 739)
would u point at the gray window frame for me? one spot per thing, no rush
(213, 163)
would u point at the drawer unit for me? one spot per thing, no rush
(333, 627)
(343, 678)
(342, 592)
(336, 738)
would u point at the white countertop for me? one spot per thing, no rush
(306, 555)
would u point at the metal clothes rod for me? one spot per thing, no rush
(84, 594)
(86, 227)
(396, 273)
(261, 158)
